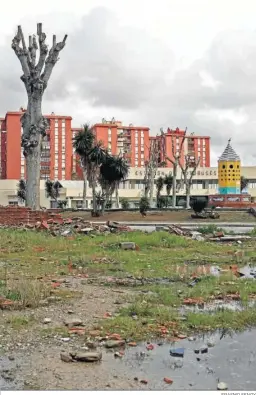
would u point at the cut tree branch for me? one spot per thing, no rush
(52, 58)
(21, 53)
(42, 48)
(33, 47)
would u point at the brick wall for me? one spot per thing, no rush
(15, 215)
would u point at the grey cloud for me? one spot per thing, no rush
(114, 65)
(111, 66)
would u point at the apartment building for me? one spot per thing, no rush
(76, 172)
(195, 146)
(56, 157)
(59, 161)
(132, 142)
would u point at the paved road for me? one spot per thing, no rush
(187, 224)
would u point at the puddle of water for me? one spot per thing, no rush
(247, 272)
(232, 305)
(232, 360)
(8, 375)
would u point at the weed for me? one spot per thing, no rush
(19, 322)
(209, 229)
(27, 292)
(50, 332)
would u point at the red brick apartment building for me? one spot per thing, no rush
(56, 159)
(130, 141)
(195, 146)
(59, 161)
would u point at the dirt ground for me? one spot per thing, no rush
(164, 216)
(37, 343)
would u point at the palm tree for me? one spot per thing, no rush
(21, 191)
(244, 182)
(114, 170)
(95, 159)
(159, 187)
(52, 189)
(168, 182)
(83, 143)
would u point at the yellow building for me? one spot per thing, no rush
(229, 171)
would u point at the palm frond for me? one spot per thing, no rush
(21, 190)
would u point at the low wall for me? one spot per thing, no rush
(231, 200)
(15, 215)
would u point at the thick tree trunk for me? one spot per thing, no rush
(84, 189)
(35, 78)
(34, 127)
(174, 180)
(33, 161)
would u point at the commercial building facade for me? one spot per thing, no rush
(205, 183)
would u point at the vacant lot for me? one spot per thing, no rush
(138, 294)
(164, 216)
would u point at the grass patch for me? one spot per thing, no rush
(33, 258)
(209, 229)
(19, 322)
(235, 320)
(27, 292)
(50, 332)
(146, 327)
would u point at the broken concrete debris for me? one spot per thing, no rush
(81, 356)
(217, 236)
(246, 272)
(222, 386)
(114, 343)
(177, 352)
(67, 227)
(128, 245)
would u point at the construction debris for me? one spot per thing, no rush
(72, 226)
(218, 236)
(178, 231)
(230, 238)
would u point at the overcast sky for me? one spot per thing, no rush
(172, 63)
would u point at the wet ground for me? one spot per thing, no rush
(229, 359)
(9, 380)
(218, 305)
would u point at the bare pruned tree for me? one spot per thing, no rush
(36, 75)
(175, 160)
(190, 165)
(151, 166)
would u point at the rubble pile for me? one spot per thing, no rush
(59, 226)
(217, 236)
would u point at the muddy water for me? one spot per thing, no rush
(217, 305)
(9, 375)
(231, 359)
